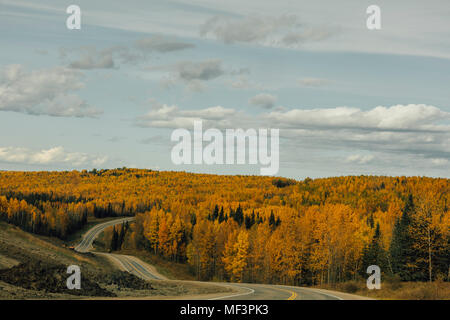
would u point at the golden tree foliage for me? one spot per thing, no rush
(243, 228)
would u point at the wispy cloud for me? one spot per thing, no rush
(162, 44)
(360, 159)
(279, 31)
(313, 82)
(192, 74)
(91, 59)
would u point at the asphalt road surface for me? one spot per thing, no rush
(277, 292)
(88, 238)
(240, 291)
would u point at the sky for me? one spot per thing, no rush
(347, 100)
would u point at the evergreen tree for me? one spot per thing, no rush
(122, 209)
(248, 222)
(215, 214)
(401, 244)
(109, 212)
(121, 237)
(221, 215)
(370, 221)
(231, 215)
(114, 240)
(409, 206)
(272, 221)
(193, 219)
(278, 222)
(258, 218)
(374, 254)
(239, 215)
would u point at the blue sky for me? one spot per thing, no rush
(347, 100)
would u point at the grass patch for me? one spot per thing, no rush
(396, 290)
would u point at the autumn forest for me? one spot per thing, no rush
(249, 228)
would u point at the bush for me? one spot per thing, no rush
(351, 287)
(394, 282)
(282, 182)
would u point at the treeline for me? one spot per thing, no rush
(60, 217)
(250, 228)
(57, 218)
(238, 216)
(51, 219)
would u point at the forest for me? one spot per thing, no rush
(249, 228)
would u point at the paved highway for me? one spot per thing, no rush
(123, 262)
(88, 238)
(240, 291)
(277, 292)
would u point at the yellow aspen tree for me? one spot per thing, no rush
(236, 256)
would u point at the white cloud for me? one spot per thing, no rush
(399, 117)
(377, 124)
(43, 92)
(264, 100)
(204, 70)
(52, 156)
(172, 117)
(213, 113)
(360, 159)
(440, 162)
(411, 131)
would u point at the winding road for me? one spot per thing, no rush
(88, 238)
(125, 263)
(240, 291)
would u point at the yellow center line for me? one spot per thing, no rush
(293, 293)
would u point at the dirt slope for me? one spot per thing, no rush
(34, 267)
